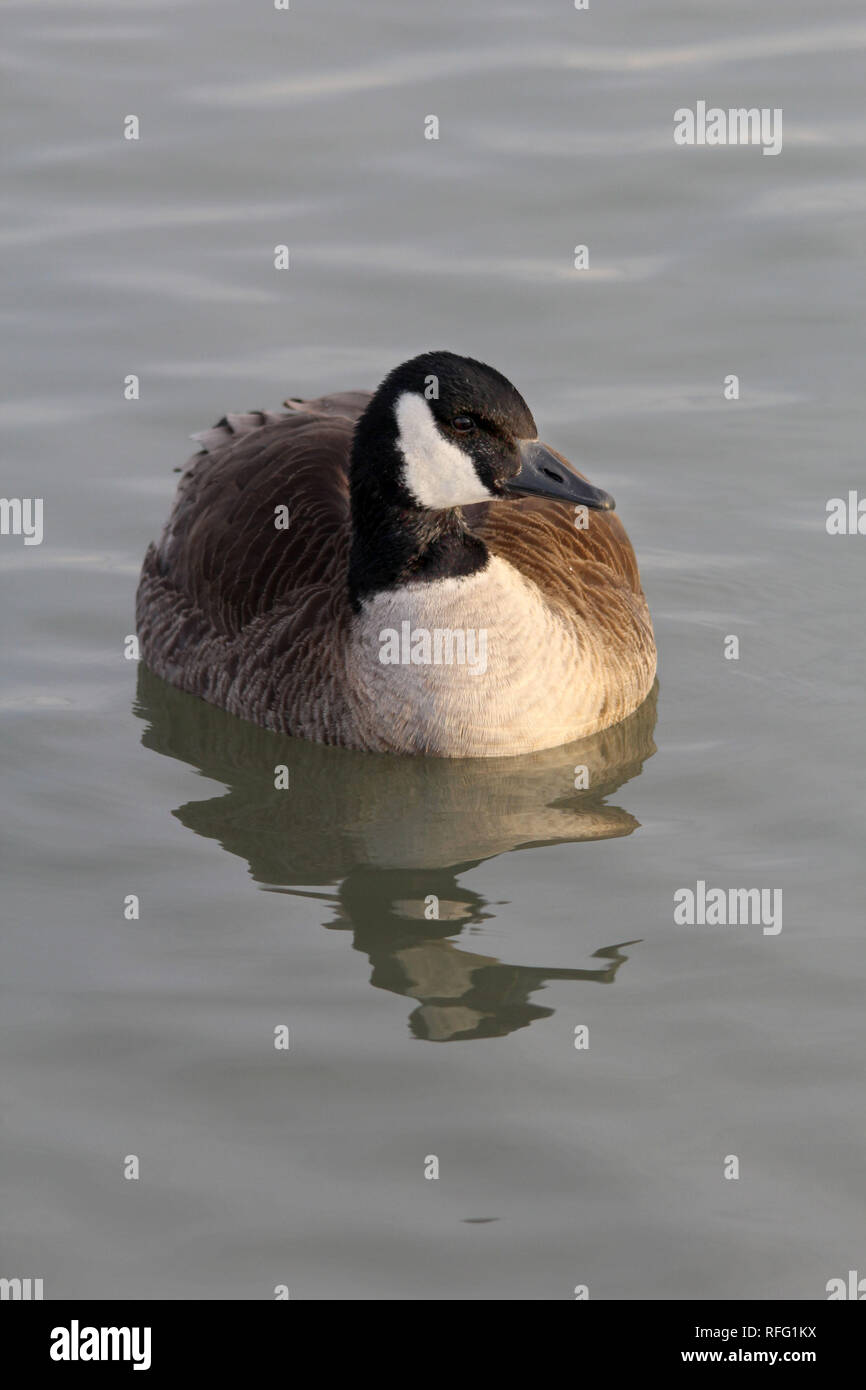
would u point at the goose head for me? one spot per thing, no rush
(444, 432)
(455, 431)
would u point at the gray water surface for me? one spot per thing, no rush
(455, 1037)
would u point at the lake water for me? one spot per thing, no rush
(455, 1038)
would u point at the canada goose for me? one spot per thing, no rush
(319, 574)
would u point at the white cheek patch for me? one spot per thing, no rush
(436, 472)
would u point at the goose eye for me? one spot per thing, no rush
(463, 424)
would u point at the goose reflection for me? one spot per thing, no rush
(391, 836)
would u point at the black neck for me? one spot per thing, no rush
(408, 546)
(395, 542)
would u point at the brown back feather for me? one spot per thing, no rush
(222, 549)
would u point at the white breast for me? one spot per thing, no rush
(475, 667)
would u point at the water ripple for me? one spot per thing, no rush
(408, 69)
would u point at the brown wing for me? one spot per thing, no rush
(222, 549)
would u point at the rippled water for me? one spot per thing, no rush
(154, 1037)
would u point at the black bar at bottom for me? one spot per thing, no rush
(216, 1338)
